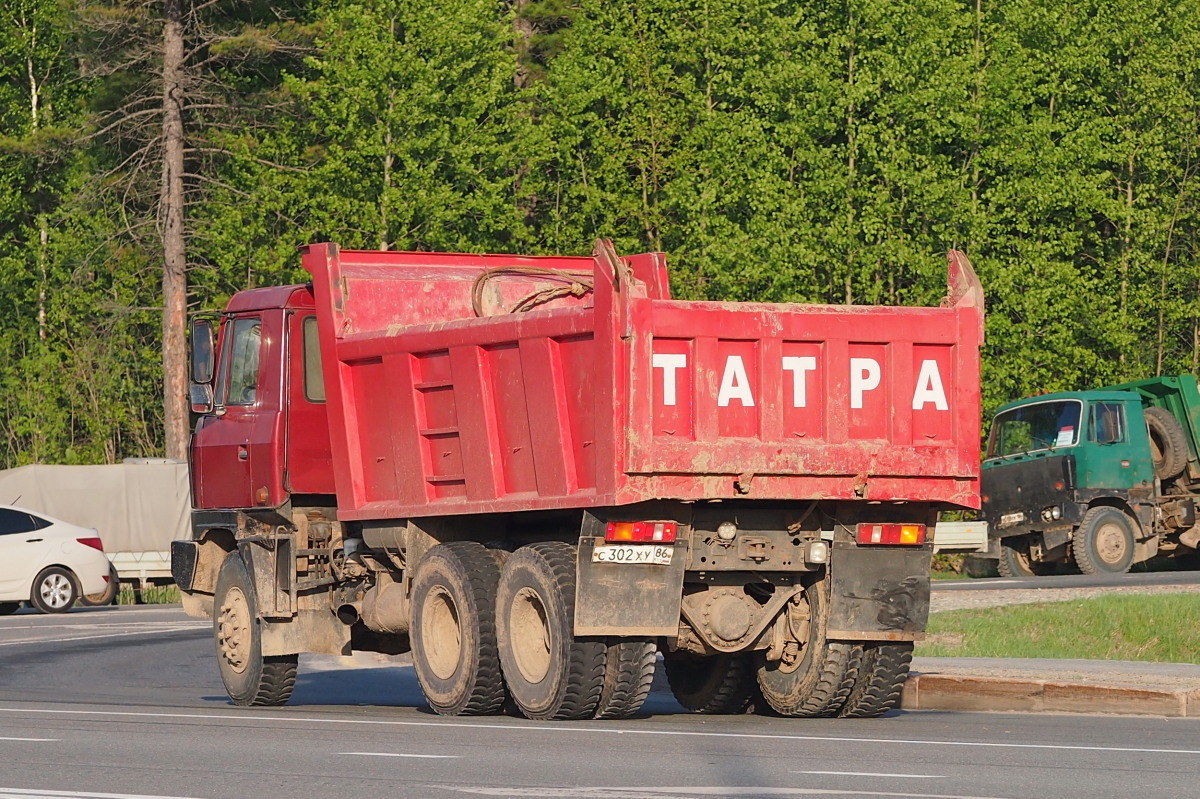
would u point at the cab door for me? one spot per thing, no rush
(221, 445)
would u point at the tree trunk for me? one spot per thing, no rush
(174, 283)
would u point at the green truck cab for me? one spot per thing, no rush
(1102, 479)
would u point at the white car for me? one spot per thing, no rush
(47, 562)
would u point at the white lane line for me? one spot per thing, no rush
(395, 754)
(555, 729)
(46, 740)
(28, 793)
(688, 791)
(159, 630)
(874, 774)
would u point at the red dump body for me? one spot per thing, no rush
(622, 394)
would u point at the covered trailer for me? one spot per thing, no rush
(536, 472)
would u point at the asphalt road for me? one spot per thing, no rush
(126, 702)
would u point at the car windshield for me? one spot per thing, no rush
(1031, 428)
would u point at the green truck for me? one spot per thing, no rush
(1100, 479)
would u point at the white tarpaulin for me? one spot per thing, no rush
(136, 507)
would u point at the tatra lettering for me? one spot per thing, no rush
(866, 374)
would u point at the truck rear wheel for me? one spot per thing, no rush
(551, 674)
(250, 679)
(880, 680)
(628, 675)
(453, 629)
(1103, 542)
(819, 684)
(1168, 443)
(717, 685)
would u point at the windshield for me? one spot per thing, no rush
(1031, 428)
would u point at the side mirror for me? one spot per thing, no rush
(201, 392)
(202, 351)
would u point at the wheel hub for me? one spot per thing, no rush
(55, 591)
(530, 632)
(233, 630)
(1110, 543)
(441, 633)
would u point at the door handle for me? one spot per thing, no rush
(32, 540)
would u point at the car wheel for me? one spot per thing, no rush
(54, 590)
(106, 597)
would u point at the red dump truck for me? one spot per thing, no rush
(536, 473)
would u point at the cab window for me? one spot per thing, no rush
(314, 382)
(238, 380)
(1107, 422)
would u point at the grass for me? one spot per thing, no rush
(152, 595)
(1148, 628)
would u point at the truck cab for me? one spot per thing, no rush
(263, 433)
(1079, 476)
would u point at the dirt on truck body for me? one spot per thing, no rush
(539, 472)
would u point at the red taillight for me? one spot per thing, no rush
(892, 534)
(641, 531)
(94, 543)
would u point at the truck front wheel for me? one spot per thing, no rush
(1103, 542)
(454, 629)
(1015, 561)
(250, 679)
(550, 673)
(818, 684)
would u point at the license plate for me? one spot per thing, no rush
(1009, 519)
(633, 553)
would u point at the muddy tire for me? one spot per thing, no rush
(1168, 443)
(1103, 542)
(1014, 561)
(54, 590)
(106, 597)
(716, 685)
(881, 676)
(453, 630)
(550, 673)
(628, 675)
(825, 675)
(251, 680)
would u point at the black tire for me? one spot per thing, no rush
(54, 590)
(881, 676)
(106, 597)
(9, 608)
(251, 680)
(453, 629)
(1014, 561)
(1103, 542)
(826, 672)
(550, 673)
(628, 674)
(1168, 443)
(717, 685)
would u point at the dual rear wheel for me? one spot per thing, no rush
(482, 633)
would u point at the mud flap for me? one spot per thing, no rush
(628, 598)
(878, 593)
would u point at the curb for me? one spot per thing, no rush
(1007, 695)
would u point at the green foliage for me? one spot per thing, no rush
(817, 152)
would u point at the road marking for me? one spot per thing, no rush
(555, 729)
(30, 739)
(33, 793)
(690, 790)
(915, 776)
(394, 754)
(158, 629)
